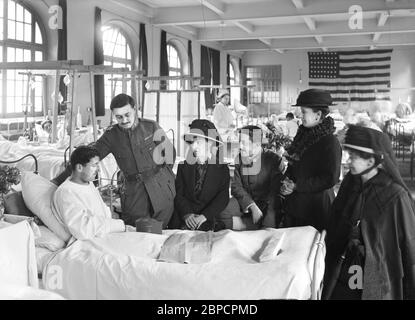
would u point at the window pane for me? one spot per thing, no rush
(19, 13)
(10, 104)
(11, 55)
(19, 55)
(27, 17)
(115, 46)
(27, 32)
(1, 56)
(19, 31)
(12, 10)
(39, 56)
(231, 71)
(38, 104)
(128, 52)
(27, 56)
(12, 29)
(1, 28)
(1, 8)
(39, 39)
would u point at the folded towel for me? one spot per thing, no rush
(272, 248)
(187, 247)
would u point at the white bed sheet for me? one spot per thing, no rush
(124, 266)
(50, 160)
(17, 255)
(42, 257)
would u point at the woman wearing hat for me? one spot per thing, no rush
(314, 160)
(222, 115)
(371, 236)
(202, 181)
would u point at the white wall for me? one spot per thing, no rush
(402, 72)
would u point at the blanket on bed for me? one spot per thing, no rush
(127, 266)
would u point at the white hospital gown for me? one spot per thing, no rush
(82, 211)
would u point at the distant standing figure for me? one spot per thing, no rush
(292, 125)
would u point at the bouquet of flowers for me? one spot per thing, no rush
(8, 176)
(276, 140)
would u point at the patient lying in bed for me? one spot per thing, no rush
(78, 204)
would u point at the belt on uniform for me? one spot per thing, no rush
(142, 176)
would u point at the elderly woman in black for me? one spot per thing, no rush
(371, 235)
(314, 160)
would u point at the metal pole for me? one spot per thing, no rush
(27, 101)
(94, 119)
(55, 107)
(72, 117)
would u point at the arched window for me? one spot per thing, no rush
(234, 77)
(21, 40)
(118, 54)
(175, 67)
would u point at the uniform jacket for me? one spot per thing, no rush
(214, 196)
(259, 186)
(387, 221)
(134, 150)
(315, 174)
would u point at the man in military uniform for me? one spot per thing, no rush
(145, 156)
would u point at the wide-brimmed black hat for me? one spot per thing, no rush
(202, 128)
(365, 139)
(314, 98)
(375, 142)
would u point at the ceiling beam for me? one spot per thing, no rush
(216, 6)
(326, 29)
(247, 27)
(266, 41)
(382, 19)
(310, 22)
(376, 36)
(136, 7)
(298, 4)
(332, 43)
(268, 11)
(188, 29)
(319, 39)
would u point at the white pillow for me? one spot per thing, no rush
(37, 194)
(49, 240)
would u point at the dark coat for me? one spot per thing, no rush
(214, 196)
(260, 186)
(315, 174)
(387, 221)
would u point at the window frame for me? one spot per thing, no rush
(264, 82)
(24, 45)
(113, 59)
(180, 83)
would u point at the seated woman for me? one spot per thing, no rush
(255, 185)
(78, 205)
(202, 181)
(371, 234)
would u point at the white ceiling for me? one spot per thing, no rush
(283, 25)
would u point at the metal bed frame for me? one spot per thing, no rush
(20, 159)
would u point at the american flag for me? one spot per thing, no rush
(352, 75)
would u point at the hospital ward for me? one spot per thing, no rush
(207, 150)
